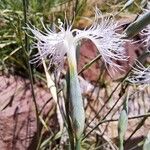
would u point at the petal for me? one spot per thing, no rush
(50, 47)
(140, 74)
(109, 43)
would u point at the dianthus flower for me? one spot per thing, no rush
(54, 45)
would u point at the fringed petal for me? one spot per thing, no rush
(140, 74)
(109, 43)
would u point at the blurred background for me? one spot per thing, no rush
(18, 78)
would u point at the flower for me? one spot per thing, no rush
(140, 74)
(50, 46)
(109, 43)
(103, 33)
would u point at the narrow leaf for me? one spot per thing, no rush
(122, 124)
(122, 127)
(43, 122)
(135, 27)
(127, 4)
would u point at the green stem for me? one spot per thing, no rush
(121, 146)
(76, 103)
(70, 129)
(25, 9)
(78, 144)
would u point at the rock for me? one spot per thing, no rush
(17, 112)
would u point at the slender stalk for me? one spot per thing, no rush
(76, 102)
(86, 66)
(130, 118)
(78, 144)
(25, 10)
(67, 107)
